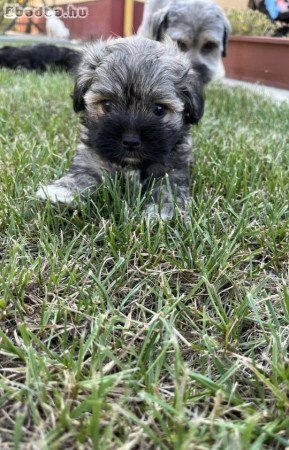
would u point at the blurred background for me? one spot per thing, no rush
(102, 17)
(258, 50)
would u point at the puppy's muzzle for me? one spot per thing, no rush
(131, 142)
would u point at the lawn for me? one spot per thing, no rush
(121, 334)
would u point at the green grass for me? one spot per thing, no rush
(119, 334)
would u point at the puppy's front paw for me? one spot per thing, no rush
(56, 194)
(165, 212)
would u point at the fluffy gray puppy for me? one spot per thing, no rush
(137, 99)
(199, 27)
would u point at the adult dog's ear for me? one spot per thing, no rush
(92, 56)
(192, 94)
(227, 31)
(160, 23)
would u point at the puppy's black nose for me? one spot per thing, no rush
(131, 141)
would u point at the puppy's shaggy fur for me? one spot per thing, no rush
(137, 99)
(39, 57)
(199, 27)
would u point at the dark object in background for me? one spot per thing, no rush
(39, 57)
(281, 31)
(259, 5)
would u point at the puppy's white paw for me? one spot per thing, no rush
(54, 193)
(151, 212)
(166, 211)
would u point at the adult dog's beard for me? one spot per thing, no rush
(105, 137)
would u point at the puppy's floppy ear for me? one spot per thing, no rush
(92, 57)
(160, 23)
(192, 94)
(227, 31)
(78, 94)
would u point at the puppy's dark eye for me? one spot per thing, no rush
(182, 45)
(209, 46)
(159, 110)
(107, 106)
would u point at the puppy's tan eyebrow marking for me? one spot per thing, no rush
(172, 105)
(102, 93)
(95, 99)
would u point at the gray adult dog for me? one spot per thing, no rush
(138, 99)
(199, 27)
